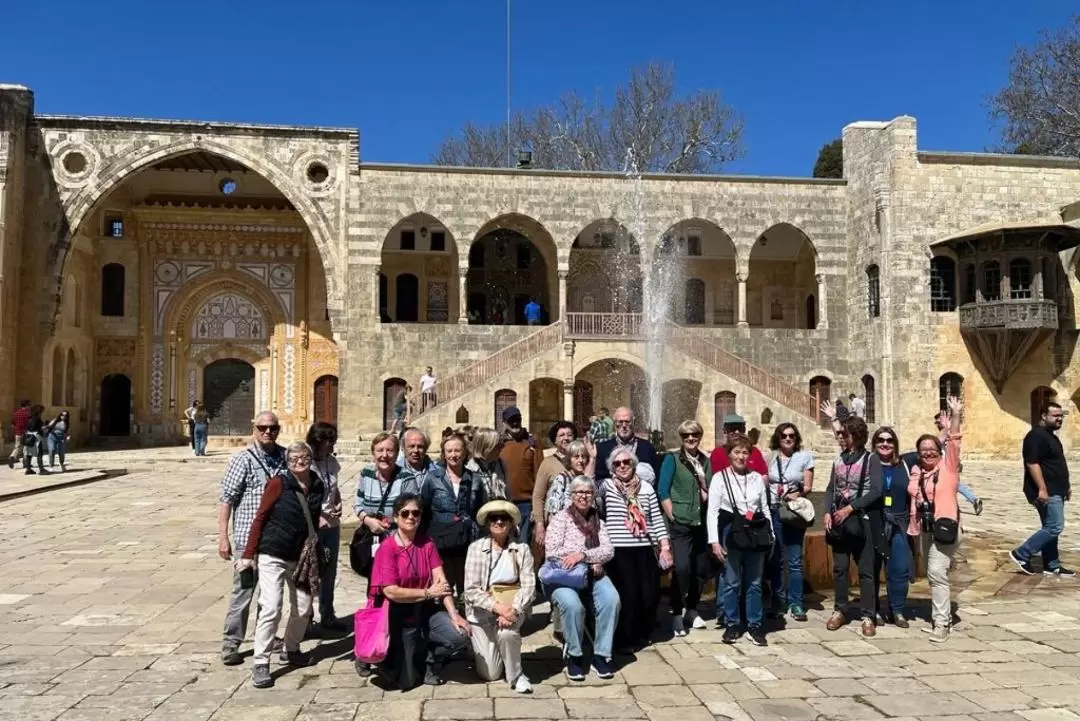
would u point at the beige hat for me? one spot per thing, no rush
(498, 507)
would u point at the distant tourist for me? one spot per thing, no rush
(241, 492)
(1046, 486)
(200, 427)
(518, 455)
(189, 416)
(601, 427)
(624, 438)
(533, 312)
(33, 441)
(57, 435)
(858, 406)
(427, 390)
(19, 418)
(401, 409)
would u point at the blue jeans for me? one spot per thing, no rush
(201, 430)
(1045, 540)
(57, 447)
(968, 494)
(743, 573)
(605, 602)
(898, 569)
(525, 530)
(787, 554)
(330, 538)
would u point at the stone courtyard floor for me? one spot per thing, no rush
(112, 601)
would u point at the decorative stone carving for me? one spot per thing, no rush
(289, 376)
(157, 378)
(229, 315)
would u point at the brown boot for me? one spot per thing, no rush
(868, 627)
(836, 621)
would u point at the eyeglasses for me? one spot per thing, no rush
(409, 513)
(498, 518)
(582, 494)
(300, 459)
(622, 423)
(621, 463)
(887, 440)
(930, 453)
(268, 429)
(688, 436)
(787, 435)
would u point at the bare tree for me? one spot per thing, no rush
(647, 128)
(1039, 109)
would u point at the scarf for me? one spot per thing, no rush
(635, 519)
(695, 466)
(588, 524)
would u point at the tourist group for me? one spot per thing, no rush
(457, 550)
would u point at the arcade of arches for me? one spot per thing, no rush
(193, 279)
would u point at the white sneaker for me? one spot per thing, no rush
(677, 626)
(696, 621)
(523, 684)
(940, 634)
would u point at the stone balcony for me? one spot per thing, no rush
(1018, 314)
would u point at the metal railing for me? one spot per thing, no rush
(604, 325)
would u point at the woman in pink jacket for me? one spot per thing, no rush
(935, 514)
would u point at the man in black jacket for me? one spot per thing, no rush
(624, 436)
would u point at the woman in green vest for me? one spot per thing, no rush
(684, 496)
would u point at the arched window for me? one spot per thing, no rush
(821, 388)
(991, 273)
(950, 384)
(1020, 276)
(1039, 398)
(69, 378)
(723, 405)
(393, 398)
(57, 377)
(461, 417)
(968, 285)
(503, 399)
(942, 284)
(873, 291)
(869, 388)
(112, 290)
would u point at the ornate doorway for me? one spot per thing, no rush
(229, 395)
(326, 399)
(115, 405)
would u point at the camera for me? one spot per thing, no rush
(926, 517)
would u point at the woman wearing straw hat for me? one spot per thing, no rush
(499, 589)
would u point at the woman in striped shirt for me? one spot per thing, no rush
(636, 525)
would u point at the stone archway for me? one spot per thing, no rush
(781, 273)
(115, 418)
(615, 382)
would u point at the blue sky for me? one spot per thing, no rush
(408, 72)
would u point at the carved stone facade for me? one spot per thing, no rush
(272, 254)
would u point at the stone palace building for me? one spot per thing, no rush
(146, 263)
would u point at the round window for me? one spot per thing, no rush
(317, 173)
(227, 186)
(75, 162)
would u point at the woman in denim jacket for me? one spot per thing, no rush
(452, 497)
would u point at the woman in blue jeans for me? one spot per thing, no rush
(57, 434)
(791, 475)
(201, 420)
(889, 469)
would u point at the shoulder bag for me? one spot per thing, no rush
(852, 529)
(942, 530)
(504, 593)
(361, 553)
(314, 558)
(753, 533)
(553, 575)
(788, 517)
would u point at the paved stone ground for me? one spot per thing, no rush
(113, 600)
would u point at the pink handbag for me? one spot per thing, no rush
(371, 635)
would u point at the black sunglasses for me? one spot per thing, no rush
(498, 518)
(787, 435)
(691, 435)
(885, 439)
(268, 429)
(409, 513)
(622, 462)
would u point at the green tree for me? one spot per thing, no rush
(830, 160)
(1038, 111)
(647, 127)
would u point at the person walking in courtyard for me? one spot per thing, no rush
(791, 476)
(322, 437)
(740, 535)
(854, 523)
(518, 456)
(578, 536)
(428, 398)
(200, 427)
(499, 588)
(189, 417)
(858, 406)
(290, 503)
(241, 492)
(34, 441)
(561, 434)
(57, 435)
(624, 437)
(401, 410)
(684, 497)
(934, 515)
(893, 472)
(415, 458)
(639, 536)
(1046, 486)
(19, 418)
(452, 496)
(533, 312)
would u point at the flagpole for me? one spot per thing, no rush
(508, 96)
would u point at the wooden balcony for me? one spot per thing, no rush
(1018, 314)
(581, 326)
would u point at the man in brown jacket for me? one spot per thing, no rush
(519, 458)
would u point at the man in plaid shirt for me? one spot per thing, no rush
(20, 417)
(241, 491)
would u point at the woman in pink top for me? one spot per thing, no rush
(935, 515)
(426, 629)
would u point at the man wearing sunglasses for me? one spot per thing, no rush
(241, 492)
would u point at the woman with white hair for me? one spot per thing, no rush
(636, 526)
(486, 446)
(577, 535)
(499, 589)
(285, 520)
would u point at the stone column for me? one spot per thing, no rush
(740, 313)
(563, 275)
(463, 315)
(568, 400)
(273, 378)
(822, 316)
(375, 299)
